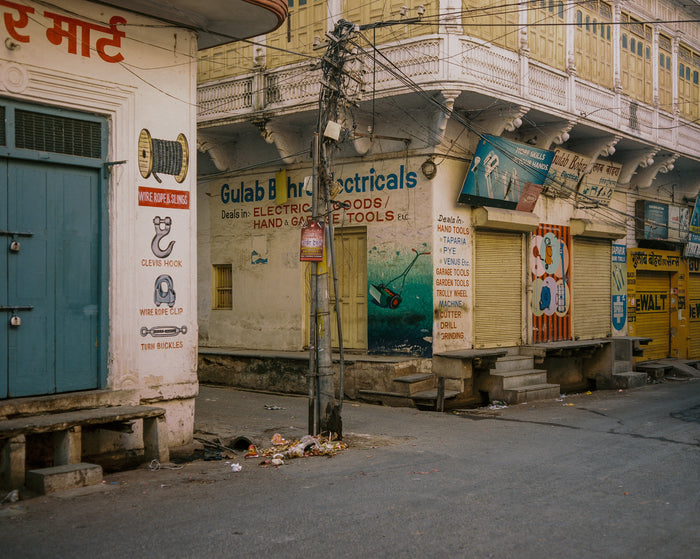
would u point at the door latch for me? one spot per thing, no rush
(15, 319)
(14, 243)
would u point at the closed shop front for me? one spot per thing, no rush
(498, 286)
(652, 312)
(592, 288)
(652, 296)
(694, 315)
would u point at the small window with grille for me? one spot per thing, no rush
(222, 296)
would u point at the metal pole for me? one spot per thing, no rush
(339, 322)
(313, 326)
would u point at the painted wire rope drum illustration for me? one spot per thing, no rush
(163, 156)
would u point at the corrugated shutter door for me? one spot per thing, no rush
(693, 308)
(591, 283)
(652, 310)
(498, 289)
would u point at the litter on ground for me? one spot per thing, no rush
(308, 445)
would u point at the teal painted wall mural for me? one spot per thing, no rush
(400, 299)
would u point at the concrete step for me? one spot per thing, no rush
(621, 366)
(629, 379)
(684, 370)
(393, 399)
(432, 394)
(654, 369)
(513, 363)
(67, 476)
(516, 379)
(531, 393)
(427, 400)
(417, 382)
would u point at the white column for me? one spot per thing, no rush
(655, 66)
(675, 42)
(616, 37)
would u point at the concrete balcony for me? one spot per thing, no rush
(476, 80)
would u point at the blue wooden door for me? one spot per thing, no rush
(56, 272)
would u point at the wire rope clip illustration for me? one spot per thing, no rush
(386, 297)
(162, 225)
(163, 156)
(164, 292)
(163, 331)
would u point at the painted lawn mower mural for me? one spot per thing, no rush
(384, 296)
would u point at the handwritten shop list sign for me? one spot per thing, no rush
(76, 33)
(452, 278)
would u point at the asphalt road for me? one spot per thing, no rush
(608, 474)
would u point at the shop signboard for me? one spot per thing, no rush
(692, 249)
(500, 170)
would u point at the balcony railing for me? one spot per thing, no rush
(484, 68)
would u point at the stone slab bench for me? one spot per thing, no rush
(479, 358)
(67, 436)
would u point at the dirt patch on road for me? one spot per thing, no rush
(361, 440)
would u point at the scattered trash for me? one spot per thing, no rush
(278, 440)
(236, 467)
(210, 455)
(567, 404)
(272, 407)
(498, 405)
(156, 465)
(296, 451)
(308, 445)
(11, 497)
(252, 452)
(588, 393)
(277, 460)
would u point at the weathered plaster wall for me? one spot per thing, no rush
(143, 80)
(389, 199)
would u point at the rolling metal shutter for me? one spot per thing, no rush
(693, 310)
(592, 297)
(498, 289)
(652, 310)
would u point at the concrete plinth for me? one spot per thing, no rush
(629, 379)
(67, 476)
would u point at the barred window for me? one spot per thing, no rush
(222, 287)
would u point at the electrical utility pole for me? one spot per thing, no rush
(324, 414)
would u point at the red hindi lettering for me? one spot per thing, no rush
(58, 33)
(115, 41)
(12, 24)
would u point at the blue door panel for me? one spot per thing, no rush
(33, 204)
(77, 289)
(4, 253)
(57, 272)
